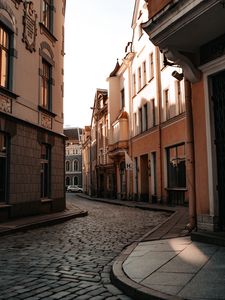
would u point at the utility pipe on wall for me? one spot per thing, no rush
(190, 162)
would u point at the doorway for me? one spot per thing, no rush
(218, 92)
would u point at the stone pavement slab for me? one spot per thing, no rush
(26, 223)
(177, 269)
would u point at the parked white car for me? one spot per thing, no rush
(74, 189)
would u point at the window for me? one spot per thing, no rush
(46, 85)
(67, 181)
(153, 120)
(140, 120)
(139, 78)
(75, 180)
(176, 169)
(134, 85)
(76, 165)
(3, 166)
(144, 73)
(151, 66)
(45, 171)
(180, 103)
(166, 104)
(145, 117)
(4, 57)
(67, 166)
(47, 14)
(122, 97)
(153, 173)
(135, 123)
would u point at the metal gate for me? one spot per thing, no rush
(218, 90)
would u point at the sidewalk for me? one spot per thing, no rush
(26, 223)
(166, 264)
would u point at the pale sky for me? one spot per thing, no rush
(96, 34)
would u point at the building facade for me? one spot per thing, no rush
(157, 121)
(98, 167)
(31, 107)
(86, 144)
(146, 117)
(201, 53)
(147, 122)
(73, 160)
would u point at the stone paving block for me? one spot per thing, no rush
(83, 297)
(50, 256)
(97, 292)
(112, 289)
(60, 295)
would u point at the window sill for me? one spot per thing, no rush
(184, 189)
(47, 32)
(46, 111)
(46, 200)
(8, 93)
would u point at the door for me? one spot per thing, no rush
(218, 90)
(3, 167)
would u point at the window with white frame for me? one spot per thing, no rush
(5, 57)
(145, 117)
(179, 100)
(76, 165)
(122, 98)
(152, 113)
(144, 73)
(140, 120)
(151, 66)
(176, 168)
(67, 166)
(139, 78)
(134, 85)
(166, 104)
(47, 14)
(135, 123)
(46, 89)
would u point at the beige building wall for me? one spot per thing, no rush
(27, 127)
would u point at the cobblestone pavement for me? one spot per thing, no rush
(71, 260)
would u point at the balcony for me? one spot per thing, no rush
(119, 135)
(183, 28)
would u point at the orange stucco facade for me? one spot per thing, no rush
(202, 59)
(156, 5)
(201, 164)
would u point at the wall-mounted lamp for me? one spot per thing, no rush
(178, 76)
(222, 2)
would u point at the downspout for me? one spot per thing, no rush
(190, 162)
(159, 98)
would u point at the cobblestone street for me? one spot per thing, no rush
(72, 260)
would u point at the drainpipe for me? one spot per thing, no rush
(159, 98)
(190, 163)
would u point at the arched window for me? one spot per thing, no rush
(67, 181)
(76, 165)
(7, 41)
(75, 180)
(67, 166)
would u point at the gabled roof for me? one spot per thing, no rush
(73, 133)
